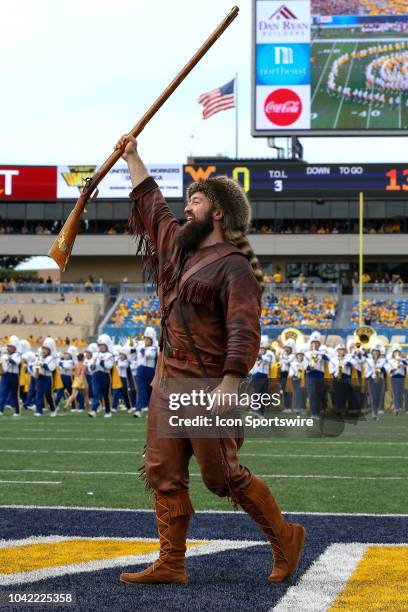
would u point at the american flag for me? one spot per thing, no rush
(218, 99)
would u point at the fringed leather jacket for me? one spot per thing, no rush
(223, 296)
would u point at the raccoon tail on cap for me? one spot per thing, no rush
(242, 243)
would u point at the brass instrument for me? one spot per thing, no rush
(396, 362)
(313, 359)
(340, 371)
(377, 373)
(365, 337)
(292, 334)
(275, 346)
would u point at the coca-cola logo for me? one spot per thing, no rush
(283, 107)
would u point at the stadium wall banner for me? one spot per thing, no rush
(24, 183)
(327, 74)
(268, 179)
(117, 183)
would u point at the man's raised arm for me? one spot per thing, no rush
(151, 219)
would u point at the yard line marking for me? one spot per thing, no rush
(197, 475)
(299, 455)
(323, 72)
(34, 482)
(150, 511)
(76, 439)
(345, 85)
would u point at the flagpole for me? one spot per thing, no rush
(236, 115)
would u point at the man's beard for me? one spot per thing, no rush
(191, 235)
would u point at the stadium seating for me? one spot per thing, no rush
(39, 315)
(287, 309)
(386, 312)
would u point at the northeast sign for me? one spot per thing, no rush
(263, 179)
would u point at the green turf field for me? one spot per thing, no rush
(335, 112)
(76, 461)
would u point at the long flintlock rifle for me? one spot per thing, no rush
(62, 247)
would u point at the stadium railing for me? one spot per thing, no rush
(379, 289)
(129, 289)
(55, 288)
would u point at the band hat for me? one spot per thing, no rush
(106, 340)
(24, 346)
(341, 346)
(150, 332)
(229, 196)
(72, 350)
(14, 342)
(29, 356)
(49, 344)
(92, 348)
(264, 341)
(315, 337)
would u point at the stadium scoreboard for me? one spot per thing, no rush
(263, 179)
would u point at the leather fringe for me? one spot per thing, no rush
(144, 246)
(197, 292)
(233, 499)
(179, 503)
(142, 474)
(168, 276)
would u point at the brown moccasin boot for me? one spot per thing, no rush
(287, 539)
(173, 516)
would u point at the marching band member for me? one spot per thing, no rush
(297, 373)
(122, 364)
(260, 371)
(44, 368)
(132, 354)
(66, 365)
(148, 353)
(24, 376)
(376, 376)
(358, 377)
(92, 348)
(317, 367)
(286, 358)
(101, 365)
(340, 368)
(397, 369)
(10, 362)
(29, 359)
(79, 383)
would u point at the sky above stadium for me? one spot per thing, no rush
(75, 75)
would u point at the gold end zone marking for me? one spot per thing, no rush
(30, 557)
(379, 582)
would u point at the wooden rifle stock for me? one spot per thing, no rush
(62, 247)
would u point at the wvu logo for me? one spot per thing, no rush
(78, 175)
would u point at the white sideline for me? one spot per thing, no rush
(149, 510)
(196, 475)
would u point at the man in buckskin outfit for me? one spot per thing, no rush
(206, 268)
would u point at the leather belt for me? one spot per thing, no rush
(183, 355)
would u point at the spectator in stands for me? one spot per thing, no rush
(49, 280)
(5, 318)
(89, 284)
(277, 277)
(21, 318)
(68, 320)
(61, 297)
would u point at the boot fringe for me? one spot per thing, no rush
(179, 503)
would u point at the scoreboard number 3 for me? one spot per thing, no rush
(393, 184)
